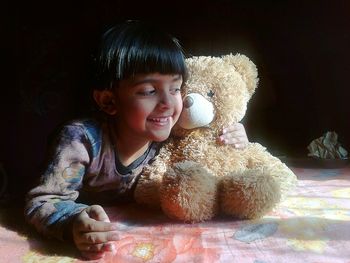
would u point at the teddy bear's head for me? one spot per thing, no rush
(217, 91)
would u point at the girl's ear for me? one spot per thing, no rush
(105, 99)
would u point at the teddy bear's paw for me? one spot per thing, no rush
(189, 193)
(249, 194)
(147, 187)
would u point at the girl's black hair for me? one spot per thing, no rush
(135, 47)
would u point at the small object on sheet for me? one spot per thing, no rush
(327, 147)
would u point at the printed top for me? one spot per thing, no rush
(83, 169)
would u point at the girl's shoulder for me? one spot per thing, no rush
(87, 131)
(91, 127)
(88, 126)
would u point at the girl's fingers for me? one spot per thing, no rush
(98, 213)
(103, 247)
(93, 219)
(234, 127)
(93, 233)
(109, 247)
(87, 225)
(240, 145)
(98, 237)
(235, 135)
(240, 137)
(228, 139)
(237, 144)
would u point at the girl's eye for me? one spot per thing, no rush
(175, 90)
(147, 92)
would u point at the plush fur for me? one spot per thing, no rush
(195, 177)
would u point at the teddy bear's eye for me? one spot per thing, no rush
(210, 94)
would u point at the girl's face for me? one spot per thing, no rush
(148, 106)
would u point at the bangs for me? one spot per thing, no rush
(151, 59)
(136, 48)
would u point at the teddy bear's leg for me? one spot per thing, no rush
(259, 158)
(249, 194)
(148, 185)
(189, 192)
(258, 188)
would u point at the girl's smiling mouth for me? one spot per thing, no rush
(160, 120)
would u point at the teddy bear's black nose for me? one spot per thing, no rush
(188, 102)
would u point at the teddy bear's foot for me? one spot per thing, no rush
(189, 193)
(249, 194)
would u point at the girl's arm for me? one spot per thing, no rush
(51, 205)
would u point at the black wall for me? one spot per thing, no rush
(301, 49)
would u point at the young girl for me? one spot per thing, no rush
(140, 71)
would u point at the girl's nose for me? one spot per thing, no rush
(166, 100)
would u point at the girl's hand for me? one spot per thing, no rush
(93, 233)
(235, 135)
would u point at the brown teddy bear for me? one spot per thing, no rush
(195, 177)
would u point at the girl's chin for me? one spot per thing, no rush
(160, 136)
(160, 131)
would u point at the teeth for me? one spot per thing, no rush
(160, 119)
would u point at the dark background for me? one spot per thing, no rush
(301, 49)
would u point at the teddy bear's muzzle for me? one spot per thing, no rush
(197, 112)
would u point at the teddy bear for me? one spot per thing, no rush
(195, 177)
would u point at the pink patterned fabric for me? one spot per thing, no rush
(311, 225)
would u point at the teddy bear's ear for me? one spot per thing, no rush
(246, 68)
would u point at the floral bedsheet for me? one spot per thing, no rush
(311, 225)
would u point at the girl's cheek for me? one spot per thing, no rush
(180, 103)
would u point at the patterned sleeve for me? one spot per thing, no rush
(50, 206)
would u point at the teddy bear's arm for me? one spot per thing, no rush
(148, 185)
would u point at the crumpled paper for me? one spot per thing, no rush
(327, 147)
